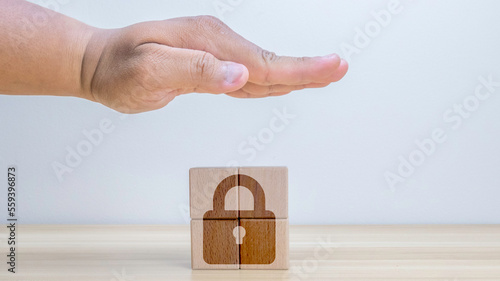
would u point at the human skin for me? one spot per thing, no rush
(144, 66)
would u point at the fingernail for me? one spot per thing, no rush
(331, 56)
(234, 72)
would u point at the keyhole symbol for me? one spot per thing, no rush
(238, 233)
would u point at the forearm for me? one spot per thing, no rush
(41, 51)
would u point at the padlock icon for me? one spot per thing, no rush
(253, 231)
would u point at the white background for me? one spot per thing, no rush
(339, 147)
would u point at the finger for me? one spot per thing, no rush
(341, 71)
(317, 85)
(244, 95)
(239, 94)
(254, 90)
(194, 71)
(279, 94)
(267, 68)
(259, 90)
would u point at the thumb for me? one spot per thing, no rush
(204, 73)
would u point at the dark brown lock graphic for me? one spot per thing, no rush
(232, 235)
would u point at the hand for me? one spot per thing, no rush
(145, 66)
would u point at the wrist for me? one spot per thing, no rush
(95, 40)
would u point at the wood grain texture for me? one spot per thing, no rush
(265, 244)
(162, 252)
(202, 185)
(274, 181)
(213, 244)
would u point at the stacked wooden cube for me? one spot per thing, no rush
(239, 218)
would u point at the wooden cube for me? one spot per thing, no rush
(206, 250)
(253, 253)
(202, 185)
(274, 182)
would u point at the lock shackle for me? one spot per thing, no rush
(259, 197)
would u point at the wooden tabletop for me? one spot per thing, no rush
(162, 252)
